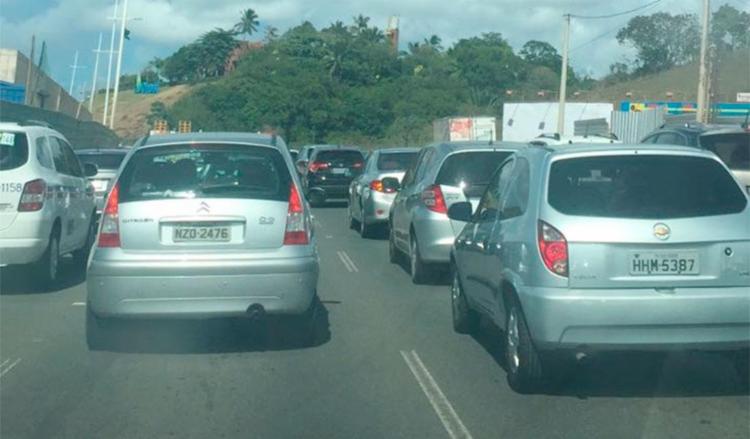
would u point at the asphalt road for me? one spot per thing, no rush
(388, 366)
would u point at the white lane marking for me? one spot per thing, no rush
(4, 363)
(329, 236)
(345, 262)
(79, 304)
(9, 368)
(351, 263)
(443, 408)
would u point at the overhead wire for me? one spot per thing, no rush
(616, 14)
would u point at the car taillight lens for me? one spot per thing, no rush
(109, 236)
(433, 199)
(296, 232)
(358, 165)
(554, 249)
(317, 166)
(32, 197)
(377, 186)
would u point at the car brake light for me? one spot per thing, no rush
(377, 186)
(317, 166)
(554, 249)
(296, 232)
(433, 199)
(358, 165)
(32, 197)
(109, 236)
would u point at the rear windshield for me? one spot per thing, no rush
(205, 171)
(733, 149)
(470, 170)
(14, 150)
(396, 161)
(103, 161)
(646, 186)
(340, 158)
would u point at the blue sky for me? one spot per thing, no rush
(165, 25)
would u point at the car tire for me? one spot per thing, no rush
(99, 332)
(465, 319)
(523, 363)
(308, 324)
(316, 199)
(81, 256)
(418, 269)
(48, 266)
(394, 255)
(741, 362)
(352, 221)
(365, 231)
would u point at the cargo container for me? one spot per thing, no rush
(457, 129)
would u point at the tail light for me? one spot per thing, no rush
(433, 199)
(317, 166)
(32, 197)
(377, 186)
(358, 165)
(109, 236)
(296, 223)
(554, 249)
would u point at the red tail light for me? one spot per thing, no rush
(358, 165)
(32, 197)
(109, 236)
(377, 186)
(433, 199)
(554, 249)
(297, 232)
(317, 166)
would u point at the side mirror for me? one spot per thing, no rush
(90, 169)
(391, 184)
(460, 211)
(301, 166)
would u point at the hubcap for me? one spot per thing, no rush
(514, 359)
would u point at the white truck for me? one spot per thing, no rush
(457, 129)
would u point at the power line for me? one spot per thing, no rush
(617, 14)
(609, 32)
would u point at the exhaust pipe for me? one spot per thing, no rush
(255, 312)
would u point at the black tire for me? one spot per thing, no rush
(394, 255)
(418, 269)
(81, 256)
(465, 319)
(316, 199)
(741, 362)
(308, 328)
(352, 221)
(48, 267)
(99, 332)
(523, 363)
(365, 231)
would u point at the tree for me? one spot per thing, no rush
(730, 28)
(248, 24)
(159, 111)
(542, 54)
(662, 40)
(272, 34)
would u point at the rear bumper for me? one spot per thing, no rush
(435, 237)
(376, 207)
(201, 289)
(638, 319)
(331, 191)
(25, 240)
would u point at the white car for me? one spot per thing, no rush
(47, 205)
(556, 139)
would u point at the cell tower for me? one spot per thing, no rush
(392, 33)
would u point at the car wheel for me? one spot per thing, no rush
(99, 333)
(308, 324)
(364, 230)
(48, 266)
(741, 362)
(393, 252)
(352, 221)
(418, 268)
(81, 256)
(316, 199)
(465, 319)
(523, 364)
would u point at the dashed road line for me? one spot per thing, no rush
(78, 304)
(443, 408)
(347, 261)
(5, 367)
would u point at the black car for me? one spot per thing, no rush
(329, 172)
(730, 142)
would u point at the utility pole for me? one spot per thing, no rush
(75, 68)
(563, 76)
(96, 74)
(119, 64)
(109, 68)
(27, 91)
(701, 115)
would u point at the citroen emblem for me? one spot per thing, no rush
(662, 231)
(204, 208)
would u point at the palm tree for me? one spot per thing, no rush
(248, 23)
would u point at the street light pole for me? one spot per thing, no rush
(701, 114)
(75, 68)
(96, 74)
(119, 64)
(563, 76)
(109, 68)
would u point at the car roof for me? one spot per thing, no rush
(397, 149)
(582, 148)
(213, 137)
(451, 147)
(336, 148)
(33, 128)
(94, 151)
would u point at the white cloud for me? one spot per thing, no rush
(68, 25)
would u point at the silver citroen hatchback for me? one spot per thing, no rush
(585, 248)
(201, 226)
